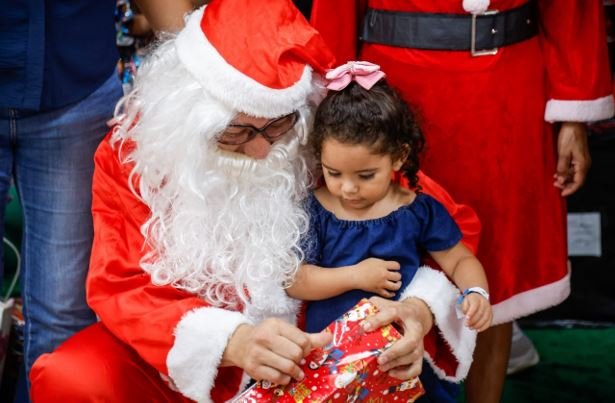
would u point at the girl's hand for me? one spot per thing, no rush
(477, 311)
(404, 359)
(379, 276)
(271, 350)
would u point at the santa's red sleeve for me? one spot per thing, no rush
(573, 39)
(172, 330)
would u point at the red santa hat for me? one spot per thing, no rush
(255, 57)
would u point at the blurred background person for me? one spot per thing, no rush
(58, 88)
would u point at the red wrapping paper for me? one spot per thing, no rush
(344, 371)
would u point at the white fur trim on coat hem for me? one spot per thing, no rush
(434, 288)
(200, 340)
(230, 86)
(580, 111)
(532, 301)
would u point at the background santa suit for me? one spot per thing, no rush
(151, 333)
(485, 122)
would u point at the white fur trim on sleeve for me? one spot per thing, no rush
(580, 111)
(434, 288)
(200, 340)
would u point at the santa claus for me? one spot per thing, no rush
(198, 214)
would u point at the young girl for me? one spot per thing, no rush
(367, 227)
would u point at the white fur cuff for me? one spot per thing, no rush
(434, 288)
(580, 111)
(200, 340)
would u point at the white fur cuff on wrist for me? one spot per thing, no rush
(200, 340)
(434, 288)
(579, 111)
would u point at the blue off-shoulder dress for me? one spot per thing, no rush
(402, 236)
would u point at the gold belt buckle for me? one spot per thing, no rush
(485, 52)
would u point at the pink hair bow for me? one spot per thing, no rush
(365, 74)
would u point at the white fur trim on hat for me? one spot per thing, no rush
(476, 6)
(200, 340)
(229, 85)
(434, 288)
(579, 111)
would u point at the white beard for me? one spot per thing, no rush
(220, 222)
(243, 227)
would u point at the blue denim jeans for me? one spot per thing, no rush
(49, 156)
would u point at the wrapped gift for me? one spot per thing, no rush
(344, 371)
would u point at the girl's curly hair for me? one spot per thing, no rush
(377, 118)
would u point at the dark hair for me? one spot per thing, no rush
(376, 118)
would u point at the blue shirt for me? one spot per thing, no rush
(54, 52)
(402, 236)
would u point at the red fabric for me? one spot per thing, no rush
(487, 142)
(444, 358)
(464, 216)
(94, 365)
(276, 41)
(110, 372)
(574, 49)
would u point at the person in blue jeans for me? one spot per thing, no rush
(57, 90)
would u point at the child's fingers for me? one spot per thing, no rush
(393, 285)
(475, 309)
(478, 323)
(469, 312)
(385, 293)
(482, 322)
(481, 319)
(467, 307)
(393, 275)
(391, 265)
(473, 319)
(488, 318)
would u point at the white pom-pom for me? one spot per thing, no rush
(475, 6)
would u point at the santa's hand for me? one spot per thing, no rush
(271, 350)
(405, 357)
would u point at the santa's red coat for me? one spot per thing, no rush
(485, 122)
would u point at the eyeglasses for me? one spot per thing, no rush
(235, 135)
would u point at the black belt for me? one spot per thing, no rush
(480, 34)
